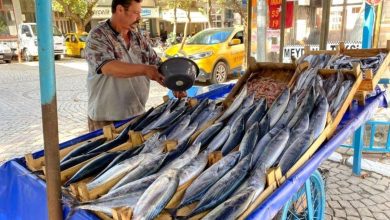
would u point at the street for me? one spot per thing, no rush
(348, 196)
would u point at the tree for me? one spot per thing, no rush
(79, 11)
(173, 4)
(186, 5)
(236, 6)
(207, 12)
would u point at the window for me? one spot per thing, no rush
(67, 39)
(240, 36)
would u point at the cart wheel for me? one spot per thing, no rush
(308, 202)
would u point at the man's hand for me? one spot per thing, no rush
(152, 73)
(180, 94)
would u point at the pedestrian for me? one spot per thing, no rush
(121, 63)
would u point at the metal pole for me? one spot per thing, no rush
(248, 32)
(282, 29)
(49, 107)
(378, 17)
(324, 24)
(261, 30)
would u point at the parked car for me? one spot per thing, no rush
(75, 44)
(5, 53)
(216, 51)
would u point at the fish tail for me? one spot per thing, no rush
(173, 212)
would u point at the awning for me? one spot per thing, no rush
(196, 16)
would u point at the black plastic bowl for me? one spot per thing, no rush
(179, 72)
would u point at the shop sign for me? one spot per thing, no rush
(298, 50)
(149, 13)
(101, 12)
(274, 13)
(373, 2)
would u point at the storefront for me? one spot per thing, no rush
(8, 27)
(198, 21)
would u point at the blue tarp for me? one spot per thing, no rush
(23, 195)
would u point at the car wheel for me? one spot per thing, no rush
(82, 53)
(26, 55)
(220, 73)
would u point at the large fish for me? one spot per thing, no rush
(301, 126)
(183, 159)
(148, 166)
(193, 168)
(76, 160)
(179, 128)
(236, 133)
(235, 105)
(249, 140)
(156, 196)
(118, 170)
(188, 131)
(233, 207)
(223, 188)
(258, 113)
(120, 139)
(152, 116)
(206, 135)
(262, 144)
(343, 93)
(155, 144)
(288, 112)
(206, 112)
(318, 116)
(165, 119)
(212, 116)
(273, 150)
(210, 176)
(245, 112)
(198, 109)
(304, 108)
(264, 127)
(277, 108)
(293, 152)
(92, 167)
(84, 148)
(219, 140)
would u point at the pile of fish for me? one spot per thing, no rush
(252, 135)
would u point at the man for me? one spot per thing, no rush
(121, 64)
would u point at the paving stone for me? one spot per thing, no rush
(329, 211)
(332, 186)
(334, 205)
(328, 217)
(367, 202)
(351, 212)
(334, 197)
(353, 218)
(334, 192)
(344, 190)
(379, 187)
(380, 216)
(387, 204)
(345, 204)
(374, 209)
(369, 189)
(382, 207)
(379, 199)
(376, 176)
(364, 212)
(356, 196)
(340, 213)
(357, 204)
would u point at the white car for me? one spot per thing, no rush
(5, 53)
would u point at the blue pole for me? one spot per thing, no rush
(357, 150)
(368, 26)
(43, 10)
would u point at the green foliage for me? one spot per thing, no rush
(78, 7)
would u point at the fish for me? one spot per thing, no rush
(156, 196)
(249, 140)
(147, 166)
(294, 152)
(305, 107)
(118, 170)
(235, 105)
(205, 137)
(137, 186)
(187, 133)
(264, 127)
(193, 168)
(154, 144)
(183, 159)
(210, 176)
(288, 112)
(179, 150)
(92, 167)
(224, 187)
(198, 109)
(120, 139)
(332, 92)
(212, 116)
(137, 121)
(84, 148)
(262, 144)
(233, 207)
(179, 127)
(205, 113)
(273, 150)
(76, 160)
(236, 133)
(219, 140)
(299, 128)
(340, 99)
(244, 112)
(318, 116)
(167, 118)
(156, 113)
(277, 108)
(258, 113)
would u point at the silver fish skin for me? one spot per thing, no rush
(157, 196)
(193, 168)
(199, 108)
(235, 105)
(132, 187)
(294, 152)
(219, 140)
(84, 149)
(343, 93)
(248, 101)
(305, 107)
(183, 159)
(288, 112)
(179, 128)
(299, 128)
(262, 144)
(258, 113)
(154, 146)
(187, 132)
(277, 108)
(117, 170)
(165, 119)
(233, 207)
(244, 112)
(249, 140)
(264, 127)
(273, 150)
(212, 116)
(318, 117)
(301, 80)
(210, 176)
(208, 134)
(224, 187)
(205, 113)
(148, 166)
(335, 87)
(236, 133)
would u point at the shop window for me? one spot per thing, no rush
(7, 24)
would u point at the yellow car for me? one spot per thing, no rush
(217, 51)
(75, 44)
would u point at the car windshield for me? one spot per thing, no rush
(56, 32)
(214, 36)
(83, 38)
